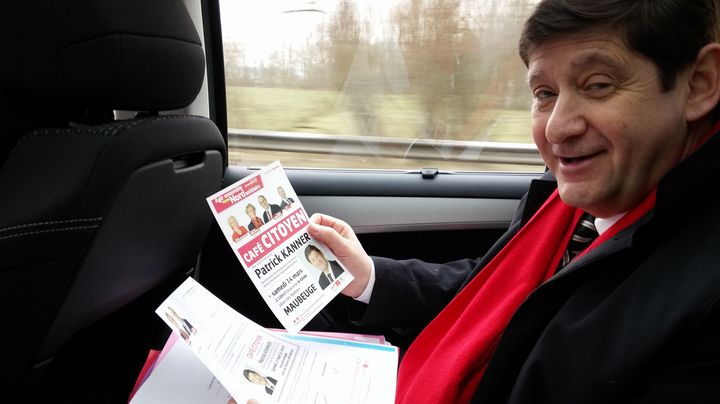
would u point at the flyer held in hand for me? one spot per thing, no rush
(266, 226)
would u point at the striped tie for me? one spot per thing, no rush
(583, 235)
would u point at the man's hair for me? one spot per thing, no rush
(668, 32)
(310, 248)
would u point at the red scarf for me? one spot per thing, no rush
(446, 361)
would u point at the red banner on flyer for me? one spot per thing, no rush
(276, 235)
(237, 194)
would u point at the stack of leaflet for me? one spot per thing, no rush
(216, 355)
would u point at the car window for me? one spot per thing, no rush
(400, 84)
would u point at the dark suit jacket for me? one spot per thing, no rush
(336, 270)
(637, 319)
(274, 209)
(284, 204)
(269, 389)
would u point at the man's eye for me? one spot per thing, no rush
(543, 94)
(598, 86)
(599, 89)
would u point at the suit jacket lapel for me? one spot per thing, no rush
(622, 241)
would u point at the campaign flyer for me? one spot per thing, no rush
(220, 356)
(266, 225)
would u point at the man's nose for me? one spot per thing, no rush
(566, 119)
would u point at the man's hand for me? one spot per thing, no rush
(340, 238)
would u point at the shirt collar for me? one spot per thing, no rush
(604, 223)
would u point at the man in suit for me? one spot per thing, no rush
(270, 211)
(330, 269)
(625, 115)
(285, 202)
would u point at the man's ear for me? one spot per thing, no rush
(704, 83)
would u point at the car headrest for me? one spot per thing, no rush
(135, 55)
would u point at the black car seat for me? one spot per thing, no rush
(96, 213)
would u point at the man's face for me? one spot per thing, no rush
(256, 378)
(263, 202)
(281, 192)
(601, 121)
(317, 260)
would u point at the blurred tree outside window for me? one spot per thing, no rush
(401, 84)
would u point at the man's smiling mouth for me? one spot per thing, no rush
(577, 159)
